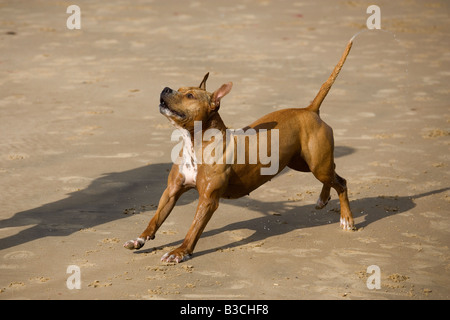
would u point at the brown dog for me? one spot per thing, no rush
(305, 143)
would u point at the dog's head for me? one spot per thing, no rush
(189, 104)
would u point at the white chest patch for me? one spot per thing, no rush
(188, 166)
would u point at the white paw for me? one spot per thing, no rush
(174, 256)
(134, 244)
(346, 224)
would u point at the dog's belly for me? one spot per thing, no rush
(244, 179)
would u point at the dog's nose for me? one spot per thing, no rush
(166, 90)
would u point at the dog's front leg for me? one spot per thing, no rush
(174, 190)
(205, 209)
(166, 204)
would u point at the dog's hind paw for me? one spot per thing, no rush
(347, 225)
(321, 204)
(134, 244)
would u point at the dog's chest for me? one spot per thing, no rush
(188, 166)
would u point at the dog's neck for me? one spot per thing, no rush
(188, 165)
(213, 122)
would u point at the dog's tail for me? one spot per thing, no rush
(315, 105)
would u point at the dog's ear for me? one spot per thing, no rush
(219, 94)
(203, 83)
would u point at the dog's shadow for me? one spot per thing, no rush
(116, 196)
(113, 196)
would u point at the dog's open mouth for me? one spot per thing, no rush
(167, 111)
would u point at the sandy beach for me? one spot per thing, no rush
(85, 153)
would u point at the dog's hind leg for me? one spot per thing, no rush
(340, 185)
(320, 159)
(332, 179)
(324, 197)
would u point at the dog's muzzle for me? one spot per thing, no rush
(162, 99)
(164, 106)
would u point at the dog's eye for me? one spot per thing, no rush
(190, 96)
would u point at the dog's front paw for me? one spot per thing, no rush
(178, 255)
(134, 244)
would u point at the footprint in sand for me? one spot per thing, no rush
(18, 255)
(18, 156)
